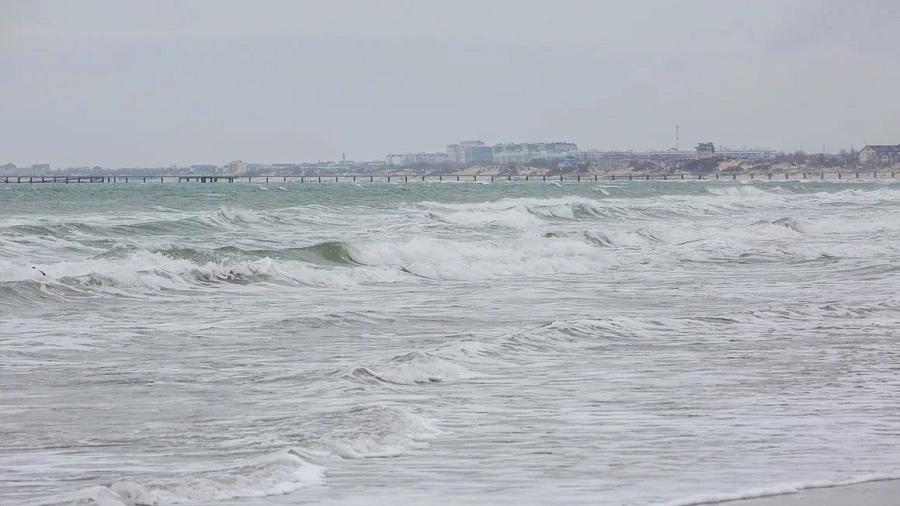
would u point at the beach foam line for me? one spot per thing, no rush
(777, 490)
(276, 474)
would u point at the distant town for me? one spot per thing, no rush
(475, 157)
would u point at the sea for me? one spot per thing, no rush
(511, 343)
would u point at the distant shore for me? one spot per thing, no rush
(472, 176)
(711, 168)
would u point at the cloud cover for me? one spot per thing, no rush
(125, 83)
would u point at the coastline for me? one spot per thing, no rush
(872, 493)
(874, 490)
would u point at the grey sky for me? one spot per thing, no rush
(125, 83)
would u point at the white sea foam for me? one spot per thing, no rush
(455, 344)
(278, 474)
(415, 368)
(528, 255)
(380, 432)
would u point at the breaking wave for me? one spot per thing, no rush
(278, 474)
(413, 368)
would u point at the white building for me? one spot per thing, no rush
(880, 154)
(522, 153)
(236, 167)
(406, 159)
(456, 153)
(746, 154)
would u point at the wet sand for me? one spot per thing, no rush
(878, 493)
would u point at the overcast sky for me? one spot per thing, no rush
(143, 83)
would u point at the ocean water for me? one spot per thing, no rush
(646, 343)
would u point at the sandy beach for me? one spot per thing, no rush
(877, 493)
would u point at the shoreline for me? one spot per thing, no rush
(410, 178)
(876, 491)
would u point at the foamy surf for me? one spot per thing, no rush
(273, 475)
(445, 343)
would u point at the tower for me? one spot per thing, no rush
(677, 137)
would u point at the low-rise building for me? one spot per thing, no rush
(705, 150)
(746, 154)
(406, 159)
(236, 167)
(456, 153)
(525, 152)
(880, 154)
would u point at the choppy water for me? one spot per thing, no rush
(512, 343)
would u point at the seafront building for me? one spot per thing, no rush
(470, 152)
(236, 167)
(407, 159)
(880, 154)
(522, 153)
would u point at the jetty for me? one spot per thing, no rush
(384, 178)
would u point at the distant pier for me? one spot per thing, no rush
(360, 178)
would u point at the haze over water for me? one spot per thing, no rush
(510, 343)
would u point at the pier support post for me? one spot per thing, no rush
(389, 179)
(648, 177)
(579, 179)
(699, 177)
(249, 179)
(354, 179)
(509, 178)
(320, 179)
(734, 176)
(613, 177)
(752, 175)
(595, 178)
(457, 178)
(371, 179)
(665, 177)
(440, 178)
(875, 175)
(126, 179)
(629, 177)
(335, 179)
(770, 176)
(839, 175)
(67, 179)
(717, 176)
(405, 179)
(682, 177)
(821, 175)
(544, 178)
(857, 175)
(560, 177)
(492, 179)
